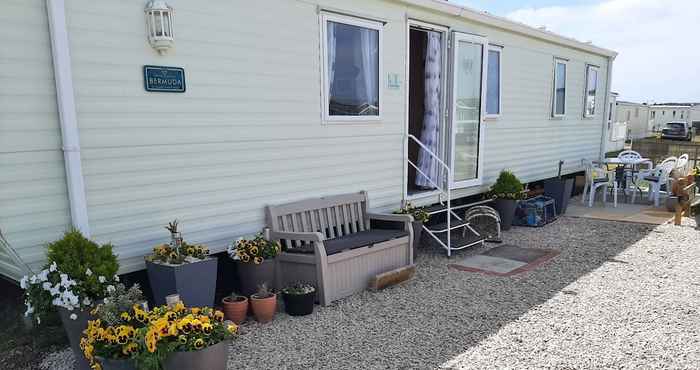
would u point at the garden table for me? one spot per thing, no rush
(630, 167)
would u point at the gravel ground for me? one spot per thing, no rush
(618, 296)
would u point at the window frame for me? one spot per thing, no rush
(590, 67)
(565, 62)
(499, 50)
(324, 18)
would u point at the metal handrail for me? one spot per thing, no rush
(447, 192)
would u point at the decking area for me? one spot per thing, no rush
(618, 294)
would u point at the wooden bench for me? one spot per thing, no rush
(328, 242)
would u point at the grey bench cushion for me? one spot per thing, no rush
(356, 240)
(652, 178)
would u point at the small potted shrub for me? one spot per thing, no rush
(299, 299)
(420, 217)
(255, 262)
(183, 269)
(235, 307)
(264, 304)
(78, 274)
(114, 348)
(506, 192)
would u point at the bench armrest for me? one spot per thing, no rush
(302, 236)
(390, 217)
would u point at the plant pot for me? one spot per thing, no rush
(211, 358)
(417, 227)
(299, 304)
(506, 209)
(74, 330)
(264, 308)
(195, 282)
(560, 190)
(112, 364)
(235, 311)
(697, 220)
(671, 203)
(250, 275)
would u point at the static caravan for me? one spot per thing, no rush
(638, 119)
(116, 123)
(660, 114)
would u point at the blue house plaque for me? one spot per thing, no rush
(164, 79)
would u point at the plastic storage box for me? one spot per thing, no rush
(535, 212)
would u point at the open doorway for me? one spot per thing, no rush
(425, 109)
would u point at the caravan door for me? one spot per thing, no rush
(469, 53)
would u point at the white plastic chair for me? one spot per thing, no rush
(629, 154)
(596, 177)
(682, 164)
(656, 177)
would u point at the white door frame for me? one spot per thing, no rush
(483, 41)
(444, 31)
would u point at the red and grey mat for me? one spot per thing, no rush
(505, 260)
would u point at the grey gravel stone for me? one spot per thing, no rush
(619, 295)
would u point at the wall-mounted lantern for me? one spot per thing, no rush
(159, 25)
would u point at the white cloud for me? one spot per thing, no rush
(658, 42)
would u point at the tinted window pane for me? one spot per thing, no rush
(353, 70)
(560, 89)
(493, 88)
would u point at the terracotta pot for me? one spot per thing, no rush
(264, 308)
(235, 310)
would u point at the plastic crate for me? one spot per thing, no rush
(535, 212)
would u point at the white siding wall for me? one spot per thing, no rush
(665, 115)
(248, 131)
(33, 197)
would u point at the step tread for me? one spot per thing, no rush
(441, 227)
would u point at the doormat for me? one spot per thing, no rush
(505, 260)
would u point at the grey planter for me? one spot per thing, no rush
(506, 209)
(560, 190)
(74, 331)
(250, 276)
(111, 364)
(195, 282)
(211, 358)
(417, 227)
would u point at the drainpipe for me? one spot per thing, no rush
(606, 111)
(67, 114)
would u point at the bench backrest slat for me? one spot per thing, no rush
(333, 216)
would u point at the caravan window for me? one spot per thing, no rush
(559, 93)
(493, 82)
(591, 90)
(351, 68)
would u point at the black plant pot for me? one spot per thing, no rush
(299, 304)
(560, 190)
(250, 276)
(74, 331)
(506, 209)
(195, 282)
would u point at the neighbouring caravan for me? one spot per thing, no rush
(280, 101)
(637, 117)
(661, 114)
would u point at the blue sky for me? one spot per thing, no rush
(656, 40)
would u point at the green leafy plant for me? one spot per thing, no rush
(116, 302)
(298, 288)
(418, 213)
(507, 186)
(78, 273)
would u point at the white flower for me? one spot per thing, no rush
(116, 278)
(73, 316)
(102, 279)
(86, 301)
(88, 272)
(44, 275)
(33, 279)
(23, 282)
(106, 300)
(46, 285)
(53, 267)
(38, 320)
(110, 288)
(30, 310)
